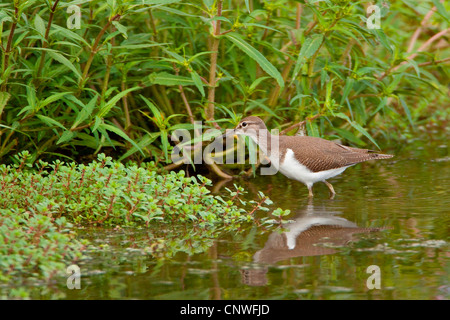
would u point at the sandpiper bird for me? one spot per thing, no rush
(302, 158)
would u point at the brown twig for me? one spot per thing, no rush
(213, 67)
(45, 43)
(364, 95)
(298, 17)
(9, 44)
(433, 62)
(300, 124)
(412, 56)
(219, 172)
(416, 34)
(273, 97)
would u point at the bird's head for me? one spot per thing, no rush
(249, 126)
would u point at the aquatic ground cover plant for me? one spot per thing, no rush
(107, 192)
(40, 203)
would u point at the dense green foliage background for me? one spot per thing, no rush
(137, 70)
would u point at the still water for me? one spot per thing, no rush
(384, 236)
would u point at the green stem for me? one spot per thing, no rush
(125, 104)
(109, 62)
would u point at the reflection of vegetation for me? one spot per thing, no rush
(34, 245)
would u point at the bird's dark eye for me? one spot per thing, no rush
(244, 124)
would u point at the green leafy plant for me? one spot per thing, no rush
(300, 64)
(108, 192)
(41, 203)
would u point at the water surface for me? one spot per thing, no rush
(391, 214)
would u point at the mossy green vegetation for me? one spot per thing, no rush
(41, 203)
(106, 192)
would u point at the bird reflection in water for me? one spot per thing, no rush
(311, 233)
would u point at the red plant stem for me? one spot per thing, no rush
(9, 44)
(45, 43)
(95, 46)
(132, 210)
(258, 205)
(113, 197)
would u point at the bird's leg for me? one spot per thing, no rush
(330, 186)
(310, 192)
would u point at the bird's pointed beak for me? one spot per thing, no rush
(228, 132)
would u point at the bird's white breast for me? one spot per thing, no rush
(293, 169)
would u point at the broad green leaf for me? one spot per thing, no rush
(63, 60)
(98, 121)
(264, 107)
(349, 136)
(407, 112)
(121, 134)
(357, 127)
(50, 122)
(260, 26)
(86, 140)
(113, 101)
(198, 82)
(397, 78)
(415, 66)
(323, 77)
(69, 34)
(156, 112)
(143, 143)
(66, 136)
(383, 39)
(348, 87)
(175, 11)
(198, 55)
(138, 46)
(121, 28)
(39, 24)
(309, 48)
(256, 83)
(207, 136)
(165, 144)
(247, 5)
(4, 17)
(312, 129)
(257, 56)
(441, 9)
(85, 112)
(4, 97)
(328, 94)
(383, 102)
(50, 99)
(167, 79)
(185, 126)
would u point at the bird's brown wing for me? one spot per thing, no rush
(319, 154)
